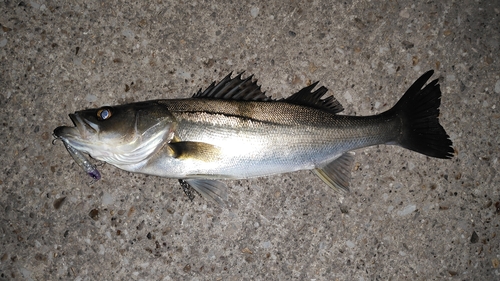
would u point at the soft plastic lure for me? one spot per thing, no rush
(82, 161)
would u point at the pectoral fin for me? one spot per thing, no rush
(194, 150)
(337, 173)
(211, 190)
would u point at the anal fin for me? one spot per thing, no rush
(211, 190)
(337, 173)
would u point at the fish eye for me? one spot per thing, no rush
(104, 113)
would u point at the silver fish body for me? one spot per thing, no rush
(232, 131)
(251, 139)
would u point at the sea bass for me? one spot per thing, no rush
(232, 130)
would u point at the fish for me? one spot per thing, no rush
(233, 130)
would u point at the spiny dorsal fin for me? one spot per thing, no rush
(234, 89)
(313, 99)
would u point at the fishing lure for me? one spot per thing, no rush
(82, 161)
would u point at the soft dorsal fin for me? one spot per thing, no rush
(234, 89)
(313, 99)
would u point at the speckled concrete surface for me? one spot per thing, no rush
(408, 217)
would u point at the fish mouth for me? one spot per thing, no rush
(82, 129)
(83, 125)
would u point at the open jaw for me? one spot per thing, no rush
(78, 135)
(72, 140)
(84, 126)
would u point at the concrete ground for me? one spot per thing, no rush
(408, 217)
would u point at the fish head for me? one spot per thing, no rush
(120, 135)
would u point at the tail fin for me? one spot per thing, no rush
(419, 110)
